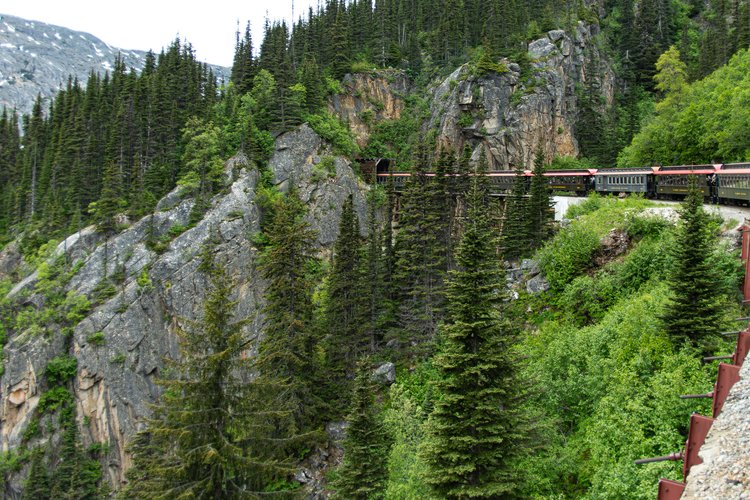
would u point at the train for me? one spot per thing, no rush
(719, 183)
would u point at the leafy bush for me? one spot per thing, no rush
(53, 399)
(76, 307)
(96, 339)
(332, 130)
(362, 67)
(61, 369)
(144, 280)
(118, 358)
(325, 169)
(571, 162)
(568, 255)
(176, 230)
(409, 405)
(638, 226)
(592, 203)
(333, 86)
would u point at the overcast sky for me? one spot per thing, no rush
(209, 25)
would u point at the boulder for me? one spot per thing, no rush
(537, 284)
(385, 374)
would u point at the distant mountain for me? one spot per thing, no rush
(37, 58)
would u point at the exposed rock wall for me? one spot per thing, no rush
(115, 380)
(369, 98)
(510, 115)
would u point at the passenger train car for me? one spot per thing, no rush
(720, 183)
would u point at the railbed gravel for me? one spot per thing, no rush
(725, 471)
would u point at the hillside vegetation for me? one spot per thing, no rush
(240, 295)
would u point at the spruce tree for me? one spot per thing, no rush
(477, 428)
(213, 434)
(344, 304)
(540, 212)
(37, 486)
(420, 260)
(515, 233)
(364, 471)
(288, 348)
(694, 312)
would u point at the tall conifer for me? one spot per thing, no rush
(694, 312)
(515, 233)
(540, 213)
(344, 305)
(476, 428)
(364, 471)
(288, 348)
(212, 434)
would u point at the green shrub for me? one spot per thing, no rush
(466, 120)
(103, 291)
(96, 339)
(332, 130)
(53, 399)
(367, 116)
(324, 169)
(333, 86)
(639, 226)
(32, 430)
(592, 203)
(571, 162)
(568, 255)
(144, 280)
(118, 358)
(76, 307)
(176, 230)
(61, 369)
(362, 67)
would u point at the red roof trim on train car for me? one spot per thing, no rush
(685, 172)
(736, 171)
(562, 173)
(624, 172)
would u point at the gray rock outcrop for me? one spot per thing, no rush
(385, 374)
(161, 290)
(512, 114)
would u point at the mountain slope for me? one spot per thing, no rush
(36, 58)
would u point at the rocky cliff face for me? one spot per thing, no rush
(513, 113)
(114, 382)
(37, 58)
(509, 114)
(369, 98)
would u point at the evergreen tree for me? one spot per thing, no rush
(373, 274)
(344, 304)
(364, 471)
(288, 348)
(37, 485)
(420, 259)
(213, 434)
(76, 475)
(110, 202)
(694, 312)
(477, 428)
(540, 211)
(515, 234)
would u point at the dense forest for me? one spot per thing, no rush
(500, 392)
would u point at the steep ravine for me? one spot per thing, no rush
(114, 382)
